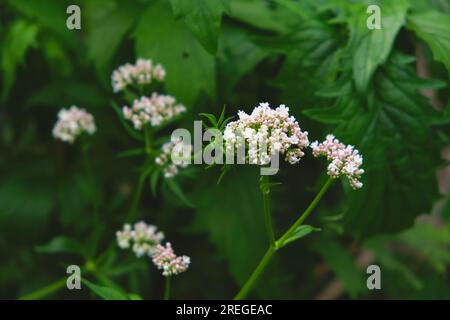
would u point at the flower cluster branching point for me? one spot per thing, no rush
(142, 238)
(154, 110)
(141, 73)
(345, 160)
(264, 133)
(72, 123)
(166, 260)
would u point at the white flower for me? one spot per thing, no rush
(264, 133)
(174, 155)
(72, 123)
(166, 260)
(345, 160)
(153, 110)
(143, 236)
(143, 72)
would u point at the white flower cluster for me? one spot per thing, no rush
(143, 72)
(146, 240)
(266, 132)
(166, 260)
(143, 238)
(174, 155)
(72, 123)
(345, 160)
(153, 110)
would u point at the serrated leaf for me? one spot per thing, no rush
(300, 232)
(203, 17)
(432, 27)
(190, 68)
(375, 45)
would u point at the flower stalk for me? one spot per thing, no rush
(278, 244)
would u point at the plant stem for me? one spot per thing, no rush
(265, 190)
(305, 213)
(90, 176)
(136, 198)
(167, 289)
(248, 286)
(148, 139)
(43, 292)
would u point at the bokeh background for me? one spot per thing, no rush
(384, 91)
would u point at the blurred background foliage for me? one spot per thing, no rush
(384, 91)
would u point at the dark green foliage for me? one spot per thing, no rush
(221, 56)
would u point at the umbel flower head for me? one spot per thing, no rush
(153, 110)
(166, 260)
(264, 133)
(174, 155)
(72, 123)
(143, 72)
(345, 160)
(142, 238)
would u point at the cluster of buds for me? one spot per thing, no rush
(345, 160)
(166, 260)
(153, 110)
(174, 155)
(141, 73)
(72, 123)
(142, 238)
(264, 133)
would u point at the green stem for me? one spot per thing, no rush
(265, 190)
(305, 213)
(167, 289)
(148, 139)
(90, 176)
(136, 198)
(248, 286)
(43, 292)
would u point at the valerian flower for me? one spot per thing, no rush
(143, 72)
(72, 123)
(166, 260)
(345, 160)
(174, 155)
(142, 238)
(153, 110)
(264, 133)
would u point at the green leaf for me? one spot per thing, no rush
(105, 293)
(375, 45)
(108, 29)
(20, 37)
(300, 232)
(61, 245)
(432, 27)
(342, 264)
(401, 152)
(236, 44)
(131, 153)
(203, 17)
(190, 68)
(176, 189)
